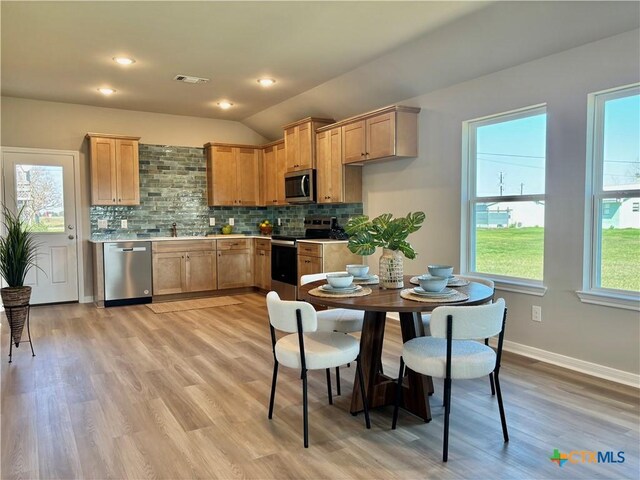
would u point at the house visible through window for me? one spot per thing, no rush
(613, 195)
(505, 194)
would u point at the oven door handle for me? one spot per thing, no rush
(284, 243)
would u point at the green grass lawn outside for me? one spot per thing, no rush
(621, 258)
(518, 252)
(48, 224)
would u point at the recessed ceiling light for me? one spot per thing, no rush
(225, 105)
(124, 60)
(266, 82)
(106, 91)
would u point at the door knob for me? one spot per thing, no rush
(70, 227)
(71, 237)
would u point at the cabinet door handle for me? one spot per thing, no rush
(362, 154)
(114, 200)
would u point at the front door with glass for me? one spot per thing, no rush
(40, 184)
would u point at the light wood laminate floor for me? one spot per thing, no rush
(126, 393)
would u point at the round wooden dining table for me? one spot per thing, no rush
(380, 388)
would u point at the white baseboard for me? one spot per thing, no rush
(570, 363)
(87, 299)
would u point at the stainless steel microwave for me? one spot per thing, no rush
(300, 187)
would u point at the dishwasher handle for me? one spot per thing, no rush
(131, 249)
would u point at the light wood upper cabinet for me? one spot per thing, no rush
(299, 140)
(353, 139)
(336, 182)
(233, 174)
(248, 175)
(281, 162)
(385, 133)
(115, 170)
(274, 167)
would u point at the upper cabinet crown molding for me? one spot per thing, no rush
(323, 121)
(111, 135)
(372, 113)
(115, 170)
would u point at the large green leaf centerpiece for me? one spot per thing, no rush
(383, 231)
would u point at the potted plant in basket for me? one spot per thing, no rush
(390, 234)
(18, 252)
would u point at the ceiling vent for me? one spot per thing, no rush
(190, 79)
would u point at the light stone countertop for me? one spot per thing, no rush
(170, 239)
(321, 240)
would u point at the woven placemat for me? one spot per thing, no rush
(454, 282)
(317, 292)
(373, 280)
(408, 294)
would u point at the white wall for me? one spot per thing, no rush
(39, 124)
(432, 182)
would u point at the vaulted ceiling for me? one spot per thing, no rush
(328, 58)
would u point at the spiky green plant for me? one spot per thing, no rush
(18, 249)
(383, 231)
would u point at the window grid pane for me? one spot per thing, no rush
(509, 239)
(620, 243)
(616, 223)
(507, 156)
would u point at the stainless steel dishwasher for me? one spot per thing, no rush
(127, 273)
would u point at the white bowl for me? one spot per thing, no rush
(430, 283)
(339, 280)
(358, 270)
(440, 270)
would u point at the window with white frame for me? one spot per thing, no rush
(504, 196)
(612, 263)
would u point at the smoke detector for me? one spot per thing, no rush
(190, 79)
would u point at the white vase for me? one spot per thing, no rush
(391, 269)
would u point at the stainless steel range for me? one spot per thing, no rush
(284, 255)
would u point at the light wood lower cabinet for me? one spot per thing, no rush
(324, 257)
(235, 263)
(262, 265)
(184, 266)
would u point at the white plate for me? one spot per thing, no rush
(329, 289)
(447, 292)
(364, 279)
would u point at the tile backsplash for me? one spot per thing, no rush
(173, 188)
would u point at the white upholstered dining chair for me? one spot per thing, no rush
(341, 320)
(426, 317)
(305, 348)
(452, 352)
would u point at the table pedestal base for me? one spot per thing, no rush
(380, 388)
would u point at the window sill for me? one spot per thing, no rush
(628, 301)
(520, 286)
